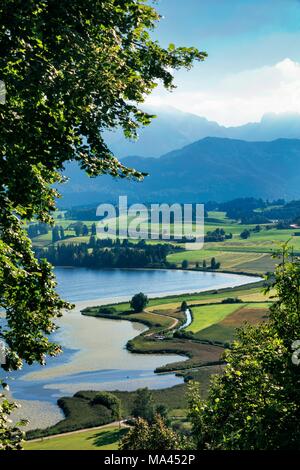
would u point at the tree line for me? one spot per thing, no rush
(108, 254)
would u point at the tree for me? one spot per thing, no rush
(162, 411)
(245, 234)
(71, 70)
(55, 234)
(143, 406)
(110, 401)
(184, 306)
(185, 264)
(155, 436)
(92, 241)
(204, 264)
(138, 436)
(139, 302)
(78, 228)
(93, 230)
(85, 230)
(34, 230)
(61, 233)
(214, 264)
(255, 403)
(10, 436)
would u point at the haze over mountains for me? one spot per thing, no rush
(200, 161)
(174, 129)
(209, 169)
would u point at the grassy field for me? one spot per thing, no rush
(205, 316)
(161, 315)
(156, 320)
(225, 330)
(245, 292)
(264, 240)
(235, 261)
(236, 255)
(101, 439)
(252, 255)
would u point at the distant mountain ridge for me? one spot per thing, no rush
(210, 169)
(174, 129)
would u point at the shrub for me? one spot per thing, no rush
(143, 404)
(184, 306)
(245, 234)
(152, 436)
(232, 300)
(214, 264)
(184, 334)
(185, 264)
(79, 414)
(105, 309)
(139, 302)
(110, 401)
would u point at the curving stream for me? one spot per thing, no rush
(188, 321)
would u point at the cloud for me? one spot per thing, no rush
(242, 97)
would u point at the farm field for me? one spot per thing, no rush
(224, 330)
(214, 220)
(247, 293)
(251, 262)
(208, 315)
(252, 255)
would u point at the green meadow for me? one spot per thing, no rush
(252, 255)
(207, 315)
(94, 439)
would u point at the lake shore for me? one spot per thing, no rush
(93, 353)
(92, 363)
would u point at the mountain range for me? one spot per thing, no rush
(174, 129)
(212, 168)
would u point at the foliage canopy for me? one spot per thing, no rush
(254, 405)
(71, 70)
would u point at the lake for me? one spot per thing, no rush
(95, 356)
(80, 284)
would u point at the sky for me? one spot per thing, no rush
(253, 64)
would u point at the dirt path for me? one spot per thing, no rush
(175, 322)
(114, 423)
